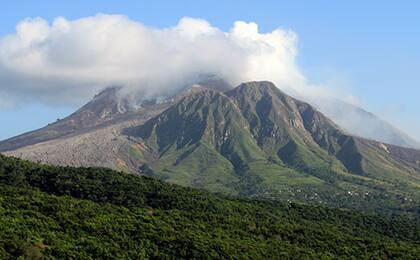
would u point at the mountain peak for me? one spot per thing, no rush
(260, 85)
(258, 88)
(111, 91)
(104, 106)
(215, 83)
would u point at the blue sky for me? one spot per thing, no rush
(368, 48)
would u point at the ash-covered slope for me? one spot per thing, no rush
(103, 108)
(107, 108)
(253, 140)
(93, 135)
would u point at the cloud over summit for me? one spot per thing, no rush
(68, 61)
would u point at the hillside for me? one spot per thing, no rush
(359, 122)
(64, 212)
(253, 140)
(257, 141)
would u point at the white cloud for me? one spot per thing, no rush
(68, 61)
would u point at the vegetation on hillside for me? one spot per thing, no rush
(90, 213)
(256, 141)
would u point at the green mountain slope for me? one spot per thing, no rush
(256, 141)
(63, 212)
(194, 143)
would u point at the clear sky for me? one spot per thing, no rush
(370, 48)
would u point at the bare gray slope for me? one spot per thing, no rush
(96, 134)
(103, 108)
(106, 108)
(105, 147)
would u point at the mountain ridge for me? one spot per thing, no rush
(253, 140)
(364, 124)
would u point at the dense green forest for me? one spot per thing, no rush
(89, 213)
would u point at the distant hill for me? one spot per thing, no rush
(95, 213)
(360, 122)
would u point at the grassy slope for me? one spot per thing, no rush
(98, 213)
(296, 136)
(256, 141)
(201, 142)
